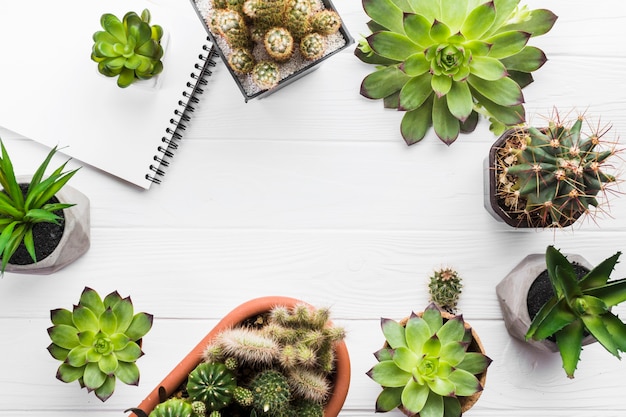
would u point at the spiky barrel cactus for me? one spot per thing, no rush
(233, 28)
(97, 341)
(445, 288)
(129, 49)
(278, 44)
(552, 176)
(312, 46)
(174, 407)
(241, 60)
(213, 384)
(444, 65)
(325, 22)
(266, 74)
(270, 391)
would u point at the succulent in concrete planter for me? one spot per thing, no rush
(44, 223)
(433, 363)
(571, 310)
(271, 356)
(550, 176)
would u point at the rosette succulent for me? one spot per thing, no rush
(425, 366)
(24, 206)
(98, 341)
(579, 306)
(129, 49)
(444, 62)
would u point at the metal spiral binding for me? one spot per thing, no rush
(182, 116)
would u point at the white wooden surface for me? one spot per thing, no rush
(312, 193)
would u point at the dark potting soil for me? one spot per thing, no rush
(45, 235)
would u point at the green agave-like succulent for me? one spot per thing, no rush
(580, 306)
(425, 366)
(129, 49)
(445, 62)
(97, 341)
(21, 210)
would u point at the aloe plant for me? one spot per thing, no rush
(97, 342)
(129, 49)
(444, 62)
(22, 208)
(579, 306)
(425, 366)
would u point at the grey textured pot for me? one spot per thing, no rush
(512, 293)
(76, 234)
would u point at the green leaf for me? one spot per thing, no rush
(58, 352)
(38, 175)
(405, 359)
(139, 326)
(453, 352)
(126, 78)
(414, 396)
(453, 12)
(388, 399)
(385, 13)
(465, 383)
(120, 341)
(106, 389)
(67, 373)
(504, 9)
(528, 59)
(600, 274)
(452, 330)
(569, 342)
(108, 363)
(91, 299)
(130, 353)
(114, 26)
(613, 293)
(416, 65)
(387, 374)
(77, 357)
(93, 376)
(29, 243)
(474, 363)
(539, 22)
(487, 68)
(52, 188)
(394, 333)
(61, 316)
(507, 44)
(551, 318)
(392, 45)
(431, 9)
(433, 406)
(595, 325)
(7, 179)
(128, 373)
(124, 312)
(84, 319)
(433, 317)
(478, 21)
(416, 123)
(415, 92)
(439, 31)
(108, 321)
(452, 407)
(460, 101)
(64, 336)
(504, 91)
(441, 84)
(416, 333)
(417, 28)
(383, 82)
(617, 329)
(446, 125)
(40, 216)
(87, 337)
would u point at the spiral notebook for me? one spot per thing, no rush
(52, 92)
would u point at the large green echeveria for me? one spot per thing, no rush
(98, 341)
(445, 62)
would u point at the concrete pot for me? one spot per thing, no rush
(76, 234)
(512, 294)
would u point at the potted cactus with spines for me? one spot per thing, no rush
(445, 287)
(550, 176)
(129, 49)
(432, 364)
(98, 342)
(443, 66)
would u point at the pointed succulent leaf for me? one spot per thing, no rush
(393, 332)
(446, 126)
(433, 406)
(93, 376)
(64, 336)
(104, 391)
(114, 26)
(392, 45)
(487, 68)
(130, 353)
(91, 299)
(459, 100)
(439, 31)
(617, 329)
(528, 59)
(139, 326)
(569, 342)
(432, 316)
(567, 281)
(119, 341)
(441, 84)
(68, 373)
(383, 82)
(432, 347)
(479, 20)
(417, 332)
(108, 363)
(417, 28)
(124, 312)
(507, 44)
(503, 91)
(87, 338)
(595, 325)
(77, 357)
(474, 363)
(415, 123)
(61, 316)
(453, 352)
(551, 318)
(108, 321)
(58, 352)
(452, 330)
(84, 319)
(415, 92)
(405, 358)
(453, 12)
(414, 396)
(388, 399)
(383, 354)
(539, 22)
(504, 10)
(465, 383)
(128, 373)
(416, 65)
(388, 374)
(612, 294)
(600, 274)
(385, 13)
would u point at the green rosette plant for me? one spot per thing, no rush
(579, 307)
(444, 62)
(129, 49)
(22, 208)
(425, 365)
(98, 341)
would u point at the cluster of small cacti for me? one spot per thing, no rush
(445, 288)
(279, 368)
(279, 26)
(550, 177)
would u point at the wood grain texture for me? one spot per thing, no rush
(312, 193)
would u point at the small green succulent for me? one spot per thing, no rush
(173, 407)
(129, 49)
(444, 62)
(213, 384)
(552, 176)
(445, 287)
(425, 366)
(98, 341)
(580, 306)
(23, 207)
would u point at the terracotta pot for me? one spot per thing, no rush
(512, 294)
(76, 234)
(475, 346)
(493, 204)
(246, 310)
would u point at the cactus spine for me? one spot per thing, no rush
(213, 384)
(445, 288)
(270, 391)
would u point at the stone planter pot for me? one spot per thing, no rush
(75, 240)
(512, 294)
(249, 309)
